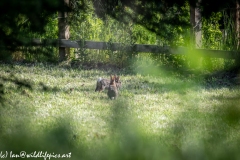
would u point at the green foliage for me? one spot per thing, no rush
(90, 27)
(40, 54)
(25, 20)
(163, 28)
(155, 16)
(24, 16)
(212, 35)
(215, 38)
(230, 39)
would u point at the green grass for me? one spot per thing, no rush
(164, 115)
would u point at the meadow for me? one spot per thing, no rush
(159, 114)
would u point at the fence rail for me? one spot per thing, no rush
(136, 47)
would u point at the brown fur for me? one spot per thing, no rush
(118, 82)
(102, 84)
(112, 90)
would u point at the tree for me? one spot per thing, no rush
(17, 17)
(159, 16)
(195, 29)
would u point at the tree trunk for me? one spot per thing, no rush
(192, 22)
(237, 23)
(195, 20)
(64, 33)
(198, 28)
(237, 26)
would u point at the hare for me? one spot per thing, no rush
(103, 83)
(112, 89)
(118, 82)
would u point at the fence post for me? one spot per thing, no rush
(196, 25)
(63, 31)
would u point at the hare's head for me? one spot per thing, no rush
(112, 80)
(117, 79)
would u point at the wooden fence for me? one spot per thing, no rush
(136, 47)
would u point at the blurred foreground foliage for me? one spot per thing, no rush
(194, 139)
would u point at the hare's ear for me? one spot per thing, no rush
(111, 77)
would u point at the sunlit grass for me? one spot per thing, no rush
(169, 110)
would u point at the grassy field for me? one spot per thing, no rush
(160, 115)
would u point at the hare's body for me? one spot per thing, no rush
(103, 83)
(118, 82)
(112, 89)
